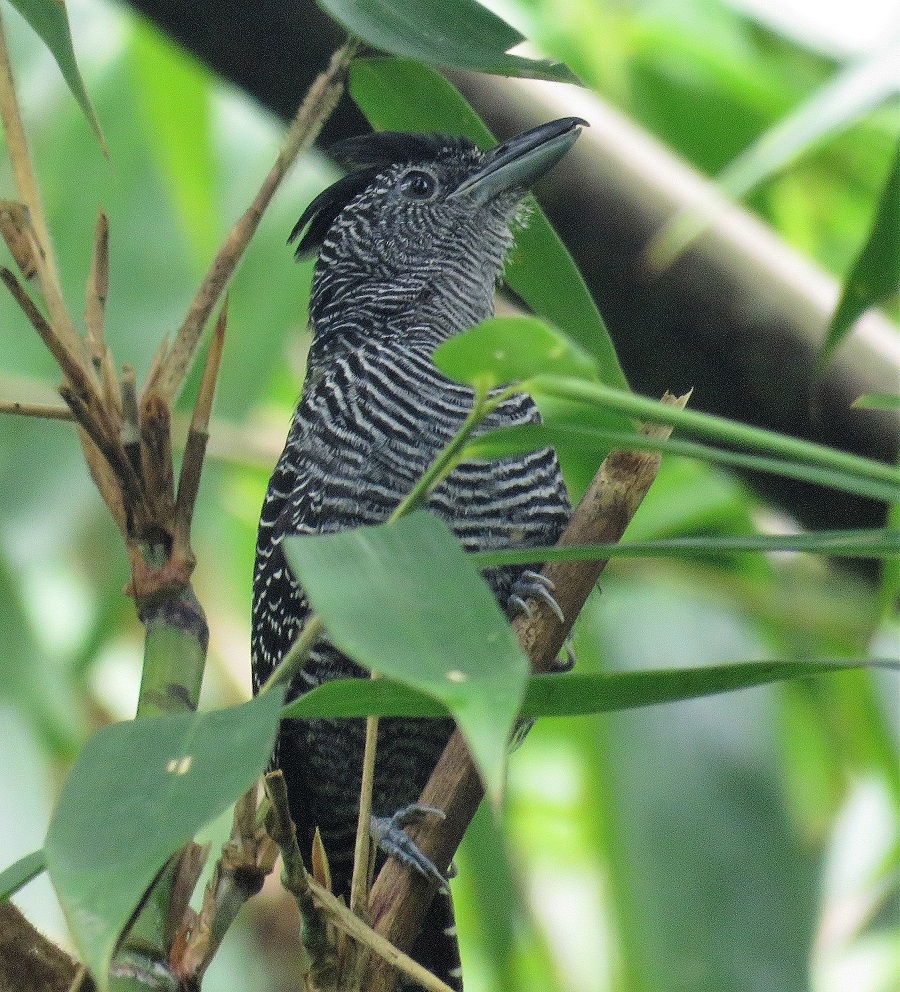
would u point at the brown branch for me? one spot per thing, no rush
(197, 438)
(318, 104)
(13, 226)
(28, 961)
(319, 938)
(400, 896)
(96, 295)
(97, 290)
(23, 172)
(247, 858)
(70, 363)
(44, 411)
(156, 460)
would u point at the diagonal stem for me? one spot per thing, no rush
(26, 184)
(321, 99)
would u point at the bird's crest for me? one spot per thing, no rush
(367, 154)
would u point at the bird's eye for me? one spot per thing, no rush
(417, 185)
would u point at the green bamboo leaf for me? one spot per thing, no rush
(364, 697)
(510, 349)
(878, 543)
(721, 429)
(50, 21)
(457, 34)
(565, 438)
(875, 274)
(842, 101)
(138, 792)
(403, 600)
(877, 401)
(575, 694)
(540, 270)
(21, 873)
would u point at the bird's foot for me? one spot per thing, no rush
(533, 585)
(389, 834)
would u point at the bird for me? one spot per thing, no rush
(411, 244)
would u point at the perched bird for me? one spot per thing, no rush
(411, 245)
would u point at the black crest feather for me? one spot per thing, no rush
(368, 154)
(323, 210)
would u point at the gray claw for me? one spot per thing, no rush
(535, 578)
(389, 835)
(521, 605)
(533, 585)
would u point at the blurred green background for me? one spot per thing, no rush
(744, 843)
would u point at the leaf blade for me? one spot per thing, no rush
(458, 34)
(50, 21)
(188, 768)
(20, 873)
(512, 349)
(391, 597)
(875, 274)
(578, 694)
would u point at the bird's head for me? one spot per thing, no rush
(421, 222)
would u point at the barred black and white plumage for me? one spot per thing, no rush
(411, 246)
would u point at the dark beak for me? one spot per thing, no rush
(521, 161)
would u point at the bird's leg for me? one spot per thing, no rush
(533, 585)
(389, 834)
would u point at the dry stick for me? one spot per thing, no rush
(383, 949)
(156, 458)
(96, 453)
(400, 896)
(13, 227)
(96, 438)
(359, 883)
(318, 104)
(130, 431)
(96, 295)
(69, 362)
(198, 435)
(189, 864)
(45, 411)
(247, 858)
(30, 196)
(97, 289)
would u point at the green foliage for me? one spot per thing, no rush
(458, 34)
(511, 349)
(392, 598)
(875, 275)
(176, 101)
(137, 793)
(567, 695)
(21, 873)
(50, 20)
